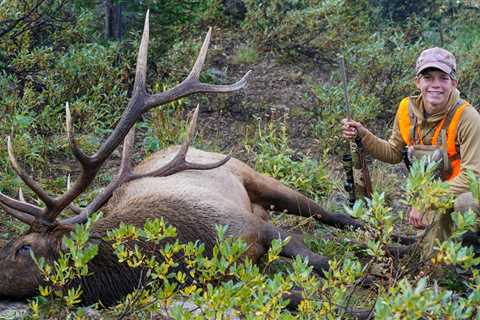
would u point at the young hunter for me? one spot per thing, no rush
(438, 123)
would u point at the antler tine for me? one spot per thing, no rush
(222, 88)
(71, 206)
(20, 215)
(179, 163)
(127, 151)
(190, 132)
(79, 155)
(192, 84)
(124, 175)
(42, 194)
(21, 205)
(20, 195)
(142, 58)
(194, 75)
(197, 67)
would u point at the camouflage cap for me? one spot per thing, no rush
(436, 58)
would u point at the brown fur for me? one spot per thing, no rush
(192, 201)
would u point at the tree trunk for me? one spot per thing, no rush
(113, 25)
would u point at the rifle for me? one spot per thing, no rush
(356, 161)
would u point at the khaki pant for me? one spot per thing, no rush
(442, 227)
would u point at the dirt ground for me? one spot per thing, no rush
(275, 87)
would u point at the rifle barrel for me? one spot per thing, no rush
(345, 87)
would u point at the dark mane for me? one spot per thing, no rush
(110, 280)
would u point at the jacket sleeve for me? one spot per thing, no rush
(468, 137)
(385, 150)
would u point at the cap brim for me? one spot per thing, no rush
(437, 65)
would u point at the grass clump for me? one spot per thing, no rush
(245, 55)
(274, 157)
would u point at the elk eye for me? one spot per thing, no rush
(24, 249)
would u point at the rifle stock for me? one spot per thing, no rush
(363, 166)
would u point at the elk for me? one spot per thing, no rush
(192, 192)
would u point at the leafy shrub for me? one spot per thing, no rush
(384, 67)
(45, 72)
(436, 197)
(465, 45)
(225, 284)
(59, 275)
(320, 29)
(400, 11)
(414, 291)
(331, 108)
(275, 158)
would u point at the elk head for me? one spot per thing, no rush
(19, 276)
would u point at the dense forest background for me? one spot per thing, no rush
(285, 123)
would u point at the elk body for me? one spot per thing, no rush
(192, 192)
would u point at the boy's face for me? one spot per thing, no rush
(435, 86)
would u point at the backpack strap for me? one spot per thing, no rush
(446, 124)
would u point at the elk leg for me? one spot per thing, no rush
(294, 247)
(269, 192)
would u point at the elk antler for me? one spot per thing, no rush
(140, 102)
(177, 164)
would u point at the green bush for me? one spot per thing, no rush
(226, 284)
(315, 29)
(254, 293)
(275, 158)
(384, 67)
(331, 108)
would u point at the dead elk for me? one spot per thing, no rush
(193, 195)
